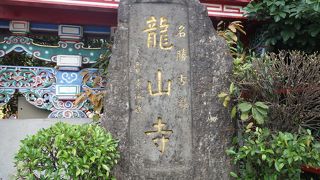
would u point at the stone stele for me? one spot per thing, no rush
(167, 68)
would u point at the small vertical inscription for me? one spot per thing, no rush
(160, 129)
(181, 32)
(182, 79)
(182, 55)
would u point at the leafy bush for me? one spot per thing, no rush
(66, 151)
(269, 95)
(287, 84)
(288, 24)
(272, 157)
(242, 70)
(230, 33)
(284, 90)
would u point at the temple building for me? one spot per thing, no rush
(63, 38)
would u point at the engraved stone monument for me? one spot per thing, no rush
(167, 67)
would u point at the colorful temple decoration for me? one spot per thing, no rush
(41, 88)
(98, 12)
(48, 53)
(53, 89)
(225, 10)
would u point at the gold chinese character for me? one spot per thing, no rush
(151, 30)
(162, 135)
(152, 33)
(182, 55)
(182, 31)
(160, 91)
(182, 79)
(162, 144)
(164, 40)
(182, 103)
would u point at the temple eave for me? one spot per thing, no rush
(94, 12)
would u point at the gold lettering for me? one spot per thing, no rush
(162, 145)
(151, 30)
(182, 31)
(182, 79)
(164, 40)
(160, 90)
(182, 55)
(162, 134)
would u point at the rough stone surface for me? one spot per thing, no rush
(196, 128)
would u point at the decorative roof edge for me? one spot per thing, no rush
(225, 9)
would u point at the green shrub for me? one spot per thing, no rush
(288, 24)
(66, 151)
(284, 88)
(272, 157)
(271, 94)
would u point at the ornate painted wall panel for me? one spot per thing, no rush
(49, 53)
(39, 86)
(53, 89)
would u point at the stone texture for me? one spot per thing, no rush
(200, 128)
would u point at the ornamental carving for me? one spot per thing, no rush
(49, 53)
(38, 86)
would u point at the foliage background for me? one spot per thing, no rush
(274, 98)
(66, 151)
(288, 24)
